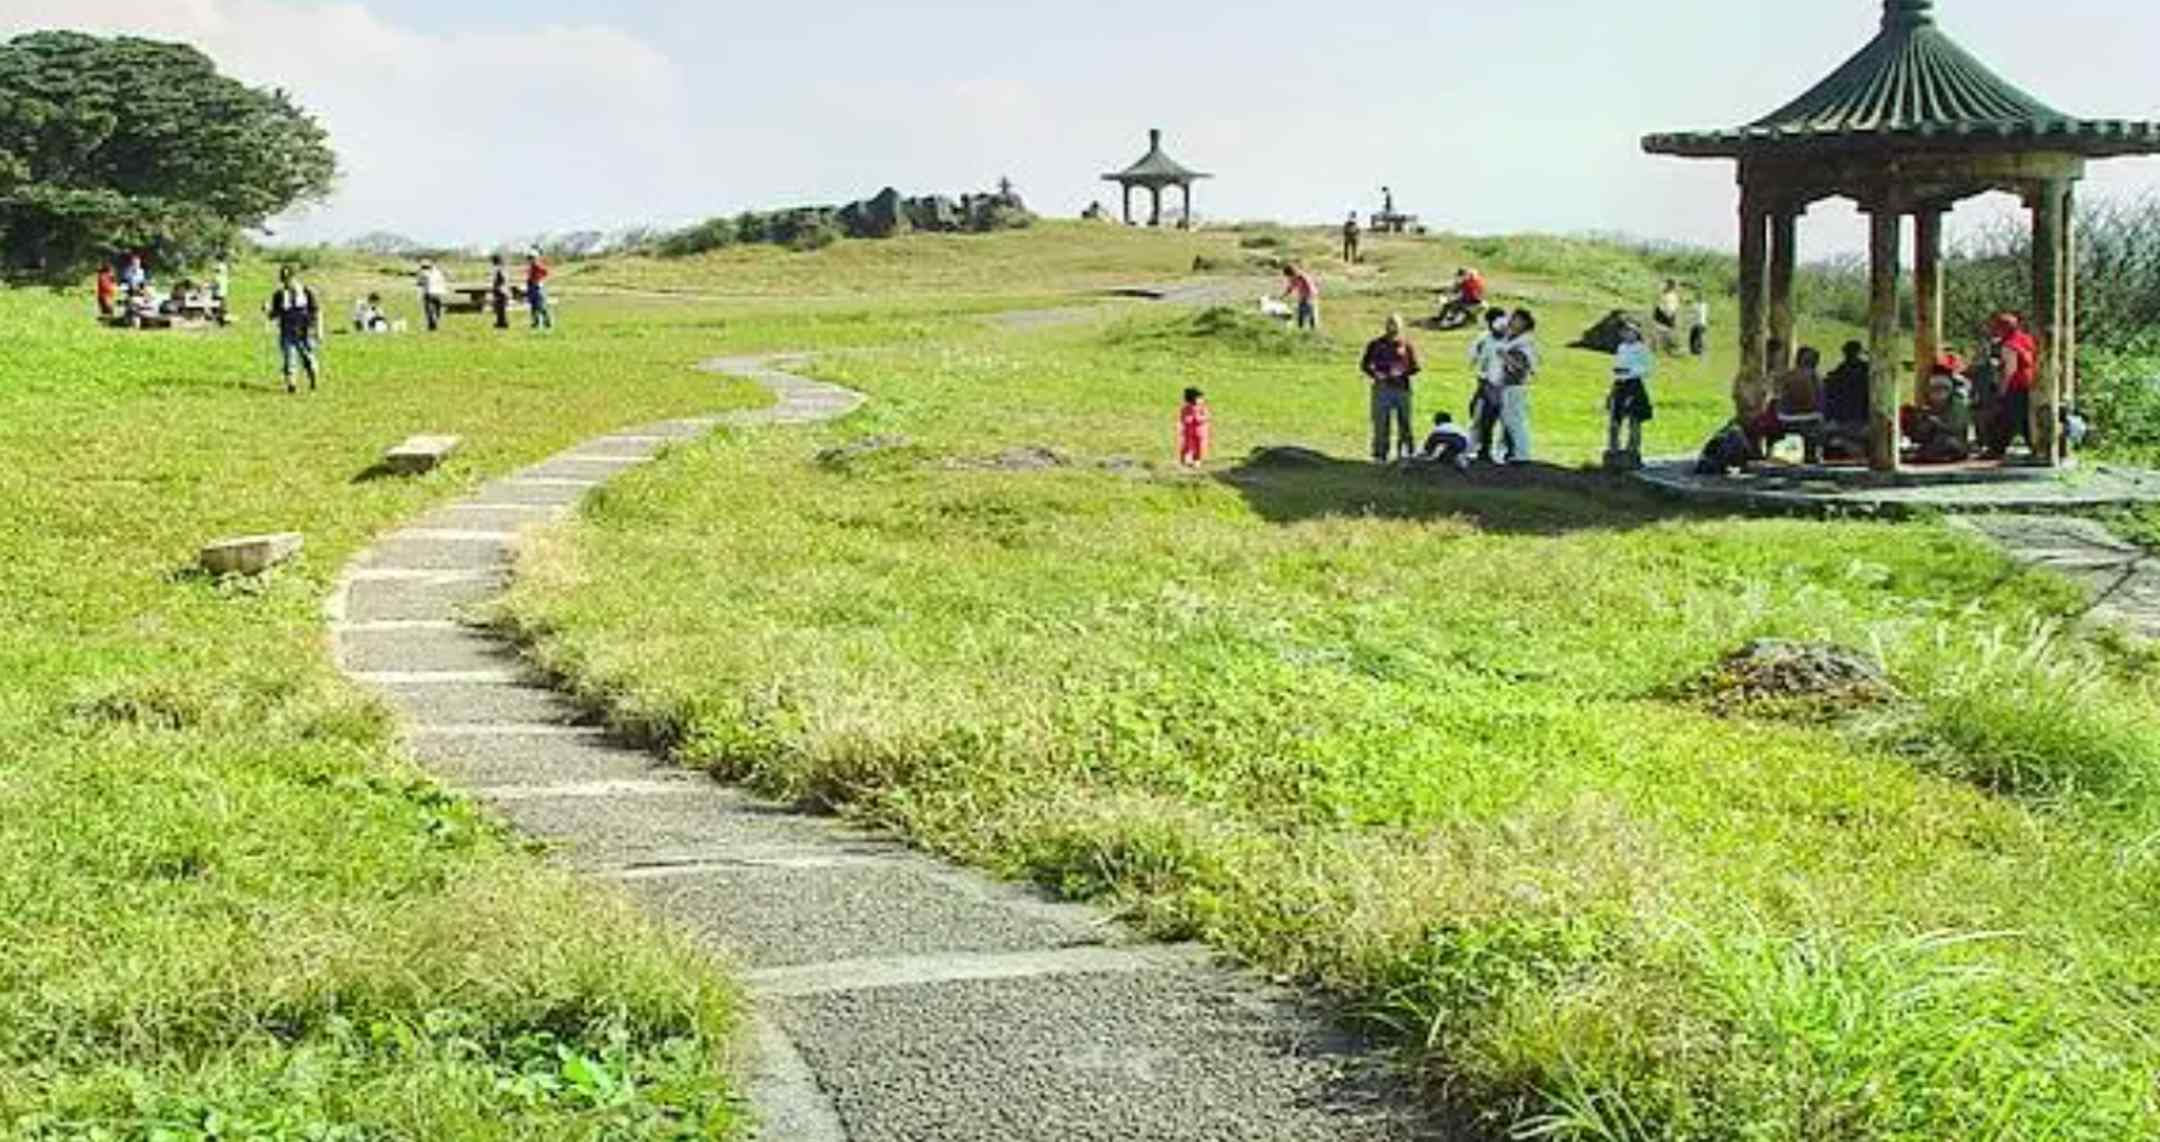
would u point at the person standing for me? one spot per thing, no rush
(299, 320)
(536, 276)
(1698, 334)
(1390, 363)
(1666, 315)
(1489, 376)
(108, 288)
(2019, 361)
(1519, 365)
(1629, 402)
(1350, 235)
(133, 277)
(499, 292)
(1306, 292)
(1195, 428)
(221, 292)
(434, 291)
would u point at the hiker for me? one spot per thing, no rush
(221, 292)
(1698, 334)
(1485, 365)
(499, 292)
(1195, 429)
(536, 276)
(1306, 293)
(1519, 365)
(1846, 403)
(1629, 402)
(1941, 428)
(2019, 355)
(1391, 363)
(1447, 443)
(1350, 234)
(299, 320)
(434, 292)
(108, 288)
(1666, 316)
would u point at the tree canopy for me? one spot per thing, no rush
(111, 144)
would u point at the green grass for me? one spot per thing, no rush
(229, 907)
(1411, 739)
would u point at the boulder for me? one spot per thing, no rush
(249, 554)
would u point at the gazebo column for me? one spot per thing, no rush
(1927, 298)
(1784, 263)
(1154, 217)
(1185, 221)
(2070, 300)
(1885, 232)
(1128, 202)
(2049, 206)
(1753, 258)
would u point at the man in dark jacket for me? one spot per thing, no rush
(1390, 363)
(299, 319)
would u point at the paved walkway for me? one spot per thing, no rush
(896, 997)
(2123, 578)
(1824, 491)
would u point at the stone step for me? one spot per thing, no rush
(568, 467)
(488, 517)
(436, 552)
(700, 825)
(503, 759)
(484, 703)
(379, 600)
(423, 650)
(515, 491)
(778, 914)
(1165, 1055)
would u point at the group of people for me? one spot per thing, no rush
(1503, 362)
(1666, 316)
(126, 295)
(1970, 408)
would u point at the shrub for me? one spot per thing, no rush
(711, 234)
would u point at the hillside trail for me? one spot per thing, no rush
(2122, 579)
(892, 995)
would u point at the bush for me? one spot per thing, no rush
(709, 235)
(2119, 393)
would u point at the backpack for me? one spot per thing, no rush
(1724, 452)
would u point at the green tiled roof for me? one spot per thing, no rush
(1154, 167)
(1913, 86)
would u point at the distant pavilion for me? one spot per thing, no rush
(1155, 171)
(1912, 125)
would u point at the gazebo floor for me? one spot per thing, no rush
(1975, 486)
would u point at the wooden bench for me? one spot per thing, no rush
(420, 454)
(249, 554)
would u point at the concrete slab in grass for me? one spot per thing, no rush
(700, 823)
(568, 467)
(482, 703)
(514, 491)
(416, 454)
(409, 600)
(1189, 1054)
(430, 553)
(487, 517)
(626, 445)
(426, 650)
(249, 554)
(492, 761)
(776, 916)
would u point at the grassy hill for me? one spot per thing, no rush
(1424, 743)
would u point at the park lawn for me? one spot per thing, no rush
(1422, 740)
(229, 906)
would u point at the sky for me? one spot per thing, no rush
(481, 121)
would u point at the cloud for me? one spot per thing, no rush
(472, 135)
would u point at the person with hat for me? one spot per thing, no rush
(1629, 402)
(1942, 428)
(434, 293)
(2019, 362)
(536, 276)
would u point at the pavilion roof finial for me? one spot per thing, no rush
(1908, 14)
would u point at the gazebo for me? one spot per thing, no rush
(1156, 170)
(1913, 124)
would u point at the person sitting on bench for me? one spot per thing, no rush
(1799, 407)
(1942, 428)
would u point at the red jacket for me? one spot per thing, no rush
(536, 273)
(2021, 362)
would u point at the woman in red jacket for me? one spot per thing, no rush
(2020, 357)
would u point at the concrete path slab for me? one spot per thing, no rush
(896, 997)
(2122, 578)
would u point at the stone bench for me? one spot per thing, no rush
(249, 554)
(420, 454)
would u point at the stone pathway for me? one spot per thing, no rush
(896, 997)
(2123, 578)
(1915, 490)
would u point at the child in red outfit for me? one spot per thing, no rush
(1193, 430)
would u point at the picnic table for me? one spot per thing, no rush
(1395, 222)
(478, 297)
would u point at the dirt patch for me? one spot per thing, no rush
(1805, 681)
(855, 453)
(1032, 458)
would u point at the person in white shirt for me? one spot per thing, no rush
(1698, 337)
(1486, 364)
(221, 292)
(1629, 403)
(434, 292)
(1447, 443)
(1518, 365)
(368, 315)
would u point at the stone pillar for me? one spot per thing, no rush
(1885, 226)
(1128, 202)
(2070, 299)
(2048, 207)
(1927, 298)
(1185, 223)
(1754, 255)
(1784, 263)
(1154, 216)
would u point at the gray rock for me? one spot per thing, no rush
(420, 454)
(250, 554)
